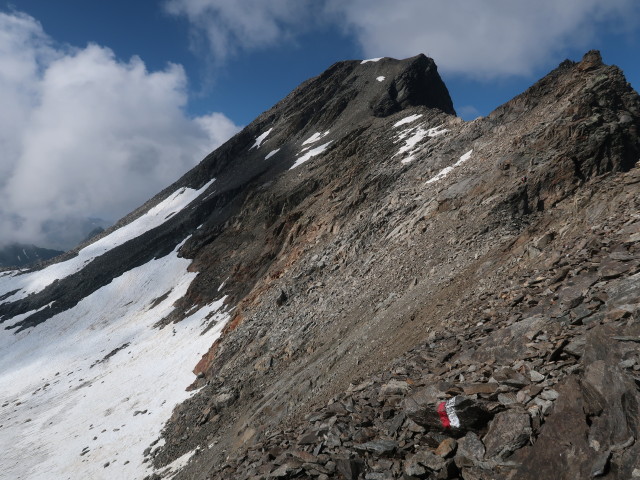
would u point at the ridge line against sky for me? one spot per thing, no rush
(106, 103)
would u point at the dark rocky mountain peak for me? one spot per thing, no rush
(358, 285)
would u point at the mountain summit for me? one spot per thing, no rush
(357, 285)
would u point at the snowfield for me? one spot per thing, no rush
(34, 282)
(83, 394)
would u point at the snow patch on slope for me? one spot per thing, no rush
(311, 153)
(413, 136)
(37, 281)
(371, 60)
(100, 378)
(380, 78)
(261, 138)
(315, 137)
(271, 153)
(445, 171)
(409, 119)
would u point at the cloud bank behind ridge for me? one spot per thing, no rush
(484, 40)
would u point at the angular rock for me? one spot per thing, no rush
(507, 432)
(457, 415)
(510, 377)
(430, 460)
(613, 269)
(378, 447)
(470, 450)
(447, 447)
(350, 468)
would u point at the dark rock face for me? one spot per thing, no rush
(421, 297)
(419, 84)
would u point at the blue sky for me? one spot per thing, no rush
(121, 97)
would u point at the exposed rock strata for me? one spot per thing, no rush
(496, 273)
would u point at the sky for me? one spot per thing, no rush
(106, 102)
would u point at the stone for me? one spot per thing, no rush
(629, 363)
(349, 468)
(413, 468)
(484, 388)
(430, 460)
(612, 269)
(508, 431)
(378, 447)
(535, 376)
(394, 387)
(549, 394)
(308, 438)
(458, 414)
(379, 476)
(447, 447)
(470, 450)
(510, 377)
(601, 464)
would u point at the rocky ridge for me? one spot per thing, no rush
(551, 363)
(449, 299)
(439, 234)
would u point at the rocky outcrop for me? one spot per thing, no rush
(489, 249)
(537, 387)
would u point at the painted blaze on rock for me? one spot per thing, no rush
(456, 415)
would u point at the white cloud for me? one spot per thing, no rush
(481, 39)
(231, 26)
(85, 134)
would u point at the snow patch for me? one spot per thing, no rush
(436, 131)
(409, 119)
(271, 153)
(315, 137)
(445, 171)
(413, 136)
(311, 153)
(380, 78)
(95, 384)
(371, 60)
(261, 138)
(37, 281)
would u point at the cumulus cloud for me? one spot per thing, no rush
(231, 26)
(480, 39)
(83, 134)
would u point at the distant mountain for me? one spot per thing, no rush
(20, 255)
(358, 285)
(65, 234)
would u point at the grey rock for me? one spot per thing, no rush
(378, 447)
(508, 431)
